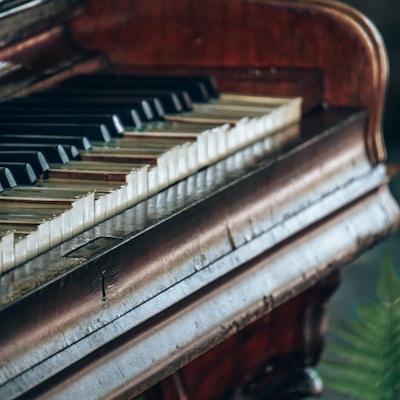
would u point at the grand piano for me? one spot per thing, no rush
(215, 286)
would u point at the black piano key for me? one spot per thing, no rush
(54, 153)
(111, 121)
(142, 107)
(155, 110)
(185, 100)
(97, 132)
(196, 89)
(79, 142)
(35, 158)
(7, 179)
(72, 151)
(170, 101)
(22, 172)
(206, 80)
(128, 117)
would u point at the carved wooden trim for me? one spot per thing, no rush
(372, 40)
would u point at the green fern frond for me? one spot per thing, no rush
(344, 369)
(389, 283)
(349, 388)
(370, 361)
(364, 362)
(359, 341)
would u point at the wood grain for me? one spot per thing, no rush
(314, 34)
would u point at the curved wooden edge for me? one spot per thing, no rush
(380, 68)
(372, 39)
(320, 34)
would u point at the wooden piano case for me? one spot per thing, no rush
(215, 288)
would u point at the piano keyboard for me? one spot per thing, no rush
(77, 154)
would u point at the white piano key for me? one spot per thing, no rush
(111, 203)
(202, 149)
(66, 229)
(88, 210)
(237, 135)
(32, 247)
(43, 236)
(55, 230)
(122, 196)
(256, 131)
(267, 125)
(100, 205)
(162, 171)
(183, 160)
(77, 216)
(152, 179)
(20, 249)
(172, 161)
(221, 139)
(193, 157)
(131, 187)
(231, 139)
(275, 119)
(142, 182)
(8, 256)
(212, 146)
(250, 131)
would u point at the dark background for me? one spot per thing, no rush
(385, 14)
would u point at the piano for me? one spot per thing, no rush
(214, 285)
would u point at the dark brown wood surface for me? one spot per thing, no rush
(247, 364)
(115, 273)
(252, 34)
(245, 42)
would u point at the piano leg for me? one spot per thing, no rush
(270, 359)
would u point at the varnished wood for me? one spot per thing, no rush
(22, 19)
(42, 60)
(335, 39)
(259, 34)
(245, 364)
(147, 268)
(126, 269)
